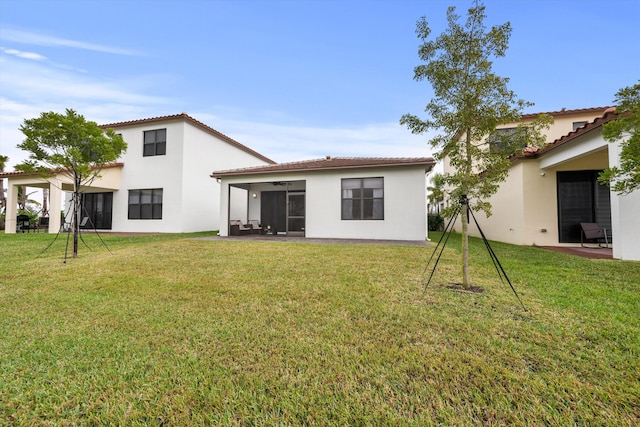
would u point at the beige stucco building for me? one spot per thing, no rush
(549, 192)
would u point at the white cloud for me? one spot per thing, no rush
(29, 88)
(33, 38)
(25, 55)
(35, 81)
(284, 143)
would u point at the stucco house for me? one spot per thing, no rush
(550, 191)
(333, 197)
(161, 184)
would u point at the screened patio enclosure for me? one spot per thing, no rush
(279, 207)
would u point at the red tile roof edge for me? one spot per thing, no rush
(185, 116)
(565, 112)
(328, 163)
(608, 115)
(21, 173)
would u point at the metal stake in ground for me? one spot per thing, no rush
(464, 203)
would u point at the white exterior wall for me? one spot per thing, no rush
(625, 218)
(404, 206)
(404, 203)
(204, 153)
(190, 196)
(149, 172)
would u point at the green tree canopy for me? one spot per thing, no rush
(470, 101)
(436, 189)
(3, 162)
(625, 178)
(70, 145)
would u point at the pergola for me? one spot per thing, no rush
(57, 183)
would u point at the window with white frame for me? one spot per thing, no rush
(145, 204)
(501, 140)
(578, 125)
(155, 143)
(363, 199)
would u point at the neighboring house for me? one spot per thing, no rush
(161, 184)
(550, 191)
(348, 198)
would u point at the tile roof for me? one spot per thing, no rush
(608, 115)
(565, 112)
(329, 163)
(185, 116)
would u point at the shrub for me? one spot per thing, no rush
(435, 222)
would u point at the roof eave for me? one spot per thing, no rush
(54, 171)
(237, 173)
(198, 123)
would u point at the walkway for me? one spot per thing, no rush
(593, 253)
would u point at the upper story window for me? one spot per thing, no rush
(363, 198)
(155, 142)
(501, 140)
(577, 125)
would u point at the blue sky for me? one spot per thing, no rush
(293, 80)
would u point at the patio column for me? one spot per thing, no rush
(55, 204)
(11, 216)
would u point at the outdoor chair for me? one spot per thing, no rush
(592, 231)
(43, 222)
(237, 228)
(23, 223)
(255, 226)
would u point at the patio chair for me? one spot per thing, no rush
(237, 228)
(255, 226)
(592, 231)
(23, 223)
(43, 222)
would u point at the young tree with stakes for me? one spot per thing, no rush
(469, 102)
(69, 144)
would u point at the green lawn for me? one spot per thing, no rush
(170, 330)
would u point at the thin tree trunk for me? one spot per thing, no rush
(45, 203)
(465, 248)
(75, 225)
(76, 219)
(465, 216)
(3, 200)
(22, 197)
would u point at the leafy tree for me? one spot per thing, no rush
(436, 190)
(3, 199)
(71, 145)
(23, 198)
(469, 102)
(626, 178)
